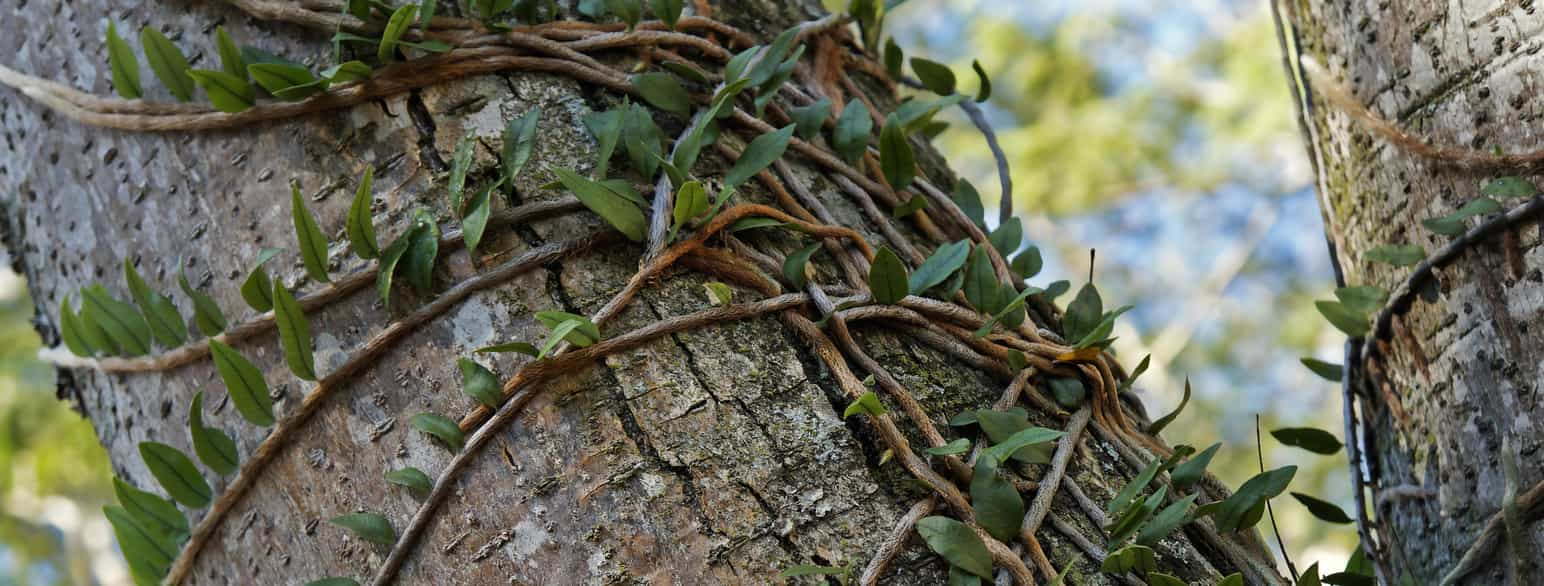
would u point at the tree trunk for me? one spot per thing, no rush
(712, 455)
(1454, 375)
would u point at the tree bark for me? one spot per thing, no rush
(714, 455)
(1457, 373)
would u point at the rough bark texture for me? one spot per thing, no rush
(1464, 365)
(713, 456)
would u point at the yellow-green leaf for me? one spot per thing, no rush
(124, 65)
(167, 62)
(227, 92)
(400, 20)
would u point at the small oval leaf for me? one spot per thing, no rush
(479, 383)
(441, 427)
(367, 526)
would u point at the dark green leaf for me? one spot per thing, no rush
(124, 65)
(1453, 224)
(620, 213)
(1238, 511)
(487, 9)
(896, 157)
(167, 62)
(1132, 558)
(361, 221)
(479, 383)
(521, 347)
(1012, 312)
(257, 289)
(663, 91)
(286, 81)
(795, 267)
(213, 447)
(1509, 187)
(969, 200)
(475, 222)
(1234, 579)
(227, 92)
(667, 10)
(73, 332)
(1083, 314)
(809, 119)
(1310, 576)
(985, 89)
(349, 71)
(1131, 518)
(1364, 299)
(390, 258)
(153, 512)
(1324, 510)
(1312, 439)
(1327, 370)
(1164, 421)
(981, 282)
(123, 325)
(957, 544)
(947, 259)
(1136, 373)
(422, 251)
(410, 477)
(935, 76)
(176, 473)
(145, 550)
(771, 58)
(895, 59)
(367, 526)
(313, 244)
(1345, 319)
(161, 315)
(426, 9)
(1028, 263)
(460, 163)
(441, 427)
(244, 383)
(206, 313)
(1399, 256)
(360, 9)
(956, 447)
(1128, 493)
(1186, 475)
(1068, 391)
(1008, 236)
(334, 581)
(606, 127)
(400, 20)
(630, 11)
(1004, 427)
(760, 153)
(1166, 521)
(1021, 439)
(1100, 335)
(998, 507)
(1162, 579)
(519, 140)
(887, 277)
(853, 129)
(912, 206)
(294, 333)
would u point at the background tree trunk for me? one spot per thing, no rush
(1461, 369)
(714, 455)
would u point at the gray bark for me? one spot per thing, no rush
(713, 456)
(1462, 369)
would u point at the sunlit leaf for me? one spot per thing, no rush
(867, 403)
(168, 63)
(124, 65)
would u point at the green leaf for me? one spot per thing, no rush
(1028, 263)
(400, 20)
(985, 91)
(1164, 421)
(809, 119)
(1166, 521)
(361, 222)
(368, 526)
(753, 223)
(998, 507)
(145, 550)
(360, 9)
(1100, 335)
(294, 333)
(718, 293)
(1312, 439)
(1023, 438)
(228, 93)
(630, 11)
(981, 282)
(853, 129)
(1004, 427)
(313, 244)
(519, 140)
(1083, 314)
(1012, 312)
(912, 206)
(124, 65)
(896, 157)
(283, 80)
(887, 277)
(1324, 510)
(244, 383)
(441, 427)
(460, 163)
(72, 331)
(206, 313)
(559, 333)
(213, 447)
(895, 58)
(585, 333)
(1310, 576)
(90, 332)
(1132, 558)
(412, 478)
(167, 62)
(1008, 236)
(176, 473)
(1162, 579)
(1327, 370)
(953, 448)
(1239, 510)
(1068, 391)
(479, 383)
(257, 290)
(606, 127)
(667, 10)
(1399, 256)
(1128, 493)
(123, 325)
(487, 9)
(935, 76)
(1509, 188)
(691, 200)
(153, 512)
(944, 261)
(390, 258)
(1132, 517)
(422, 251)
(1188, 474)
(760, 153)
(426, 9)
(1453, 224)
(620, 213)
(868, 403)
(1364, 299)
(1345, 319)
(957, 544)
(521, 347)
(475, 222)
(161, 315)
(334, 581)
(349, 71)
(1234, 579)
(642, 139)
(969, 201)
(663, 91)
(795, 267)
